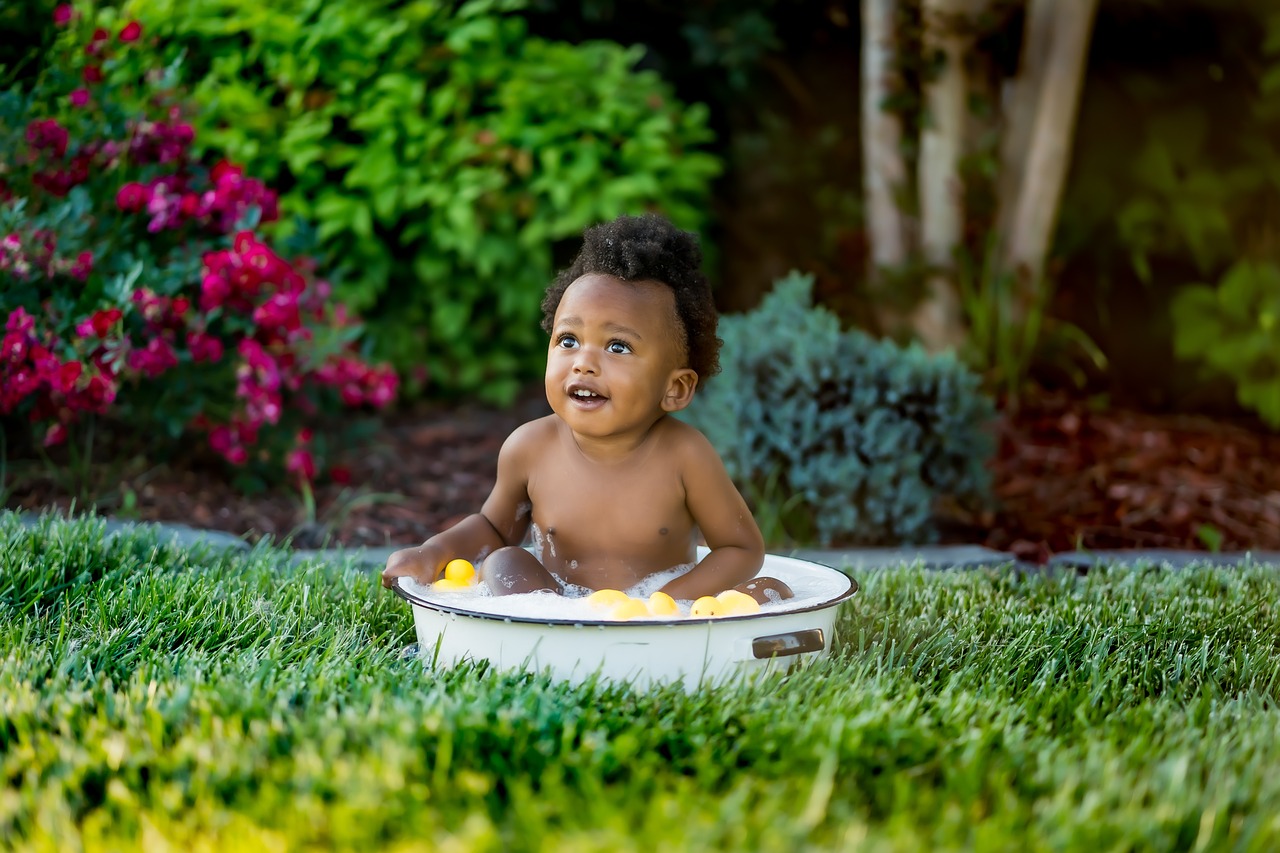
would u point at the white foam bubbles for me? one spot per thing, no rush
(812, 585)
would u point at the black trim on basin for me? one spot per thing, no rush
(638, 623)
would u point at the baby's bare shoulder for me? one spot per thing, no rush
(532, 438)
(685, 441)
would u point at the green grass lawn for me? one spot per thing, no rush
(186, 700)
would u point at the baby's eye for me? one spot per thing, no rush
(619, 347)
(567, 342)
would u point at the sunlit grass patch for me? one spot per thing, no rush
(149, 693)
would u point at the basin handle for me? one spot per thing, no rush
(790, 643)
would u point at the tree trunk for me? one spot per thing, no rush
(1021, 99)
(884, 170)
(938, 319)
(1049, 151)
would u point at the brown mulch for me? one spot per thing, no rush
(1069, 478)
(1066, 477)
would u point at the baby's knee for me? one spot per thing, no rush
(510, 555)
(513, 570)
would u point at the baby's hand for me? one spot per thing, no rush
(423, 564)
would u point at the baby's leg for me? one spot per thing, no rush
(512, 570)
(766, 589)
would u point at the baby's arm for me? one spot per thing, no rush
(503, 520)
(737, 548)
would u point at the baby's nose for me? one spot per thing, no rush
(585, 362)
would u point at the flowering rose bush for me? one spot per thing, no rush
(137, 283)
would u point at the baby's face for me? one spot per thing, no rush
(615, 348)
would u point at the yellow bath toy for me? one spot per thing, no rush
(735, 602)
(632, 608)
(661, 604)
(607, 598)
(706, 606)
(450, 585)
(460, 570)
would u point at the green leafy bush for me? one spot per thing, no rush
(1231, 328)
(442, 151)
(858, 436)
(133, 282)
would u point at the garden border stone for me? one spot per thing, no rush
(1169, 558)
(928, 557)
(182, 535)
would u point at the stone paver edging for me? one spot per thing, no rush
(931, 557)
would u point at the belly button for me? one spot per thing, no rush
(663, 531)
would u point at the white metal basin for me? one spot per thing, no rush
(693, 652)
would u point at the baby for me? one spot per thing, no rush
(616, 490)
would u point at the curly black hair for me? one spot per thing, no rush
(649, 248)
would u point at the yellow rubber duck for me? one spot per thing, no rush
(661, 604)
(735, 602)
(450, 585)
(607, 599)
(460, 570)
(632, 608)
(706, 606)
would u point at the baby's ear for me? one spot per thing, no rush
(680, 387)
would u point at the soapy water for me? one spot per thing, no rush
(812, 585)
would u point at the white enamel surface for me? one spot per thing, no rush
(688, 651)
(811, 583)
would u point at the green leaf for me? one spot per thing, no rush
(303, 140)
(375, 168)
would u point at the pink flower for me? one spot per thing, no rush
(163, 206)
(66, 377)
(229, 443)
(279, 317)
(57, 182)
(79, 97)
(56, 434)
(214, 291)
(352, 395)
(221, 438)
(46, 363)
(92, 74)
(189, 205)
(16, 385)
(233, 195)
(97, 395)
(48, 134)
(155, 359)
(20, 321)
(300, 461)
(225, 170)
(204, 347)
(83, 265)
(384, 383)
(258, 361)
(131, 32)
(63, 14)
(153, 307)
(99, 323)
(132, 197)
(94, 47)
(14, 348)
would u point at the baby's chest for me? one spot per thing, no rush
(644, 505)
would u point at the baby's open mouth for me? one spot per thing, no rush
(585, 395)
